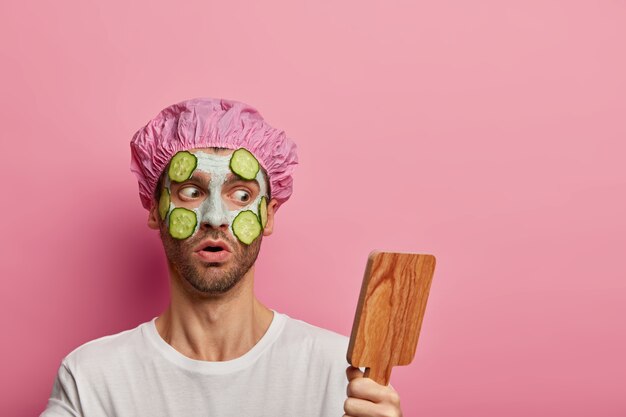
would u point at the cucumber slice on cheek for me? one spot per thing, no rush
(182, 223)
(181, 166)
(263, 211)
(244, 164)
(247, 227)
(164, 203)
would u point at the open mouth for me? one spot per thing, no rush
(213, 249)
(212, 246)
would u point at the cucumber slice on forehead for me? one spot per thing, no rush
(182, 165)
(263, 211)
(182, 223)
(244, 164)
(164, 203)
(246, 226)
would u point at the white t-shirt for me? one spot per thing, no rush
(295, 369)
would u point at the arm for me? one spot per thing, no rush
(368, 398)
(64, 400)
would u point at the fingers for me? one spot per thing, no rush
(358, 407)
(367, 398)
(364, 408)
(368, 389)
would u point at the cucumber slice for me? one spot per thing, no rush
(182, 222)
(244, 164)
(182, 165)
(263, 211)
(164, 203)
(246, 226)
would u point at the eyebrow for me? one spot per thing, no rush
(236, 178)
(197, 178)
(233, 178)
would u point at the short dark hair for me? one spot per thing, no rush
(159, 186)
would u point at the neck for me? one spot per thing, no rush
(213, 327)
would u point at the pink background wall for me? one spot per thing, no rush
(488, 133)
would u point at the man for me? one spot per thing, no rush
(212, 174)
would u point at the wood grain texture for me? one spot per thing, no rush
(390, 312)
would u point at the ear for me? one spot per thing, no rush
(154, 219)
(271, 209)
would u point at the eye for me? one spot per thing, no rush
(190, 192)
(242, 196)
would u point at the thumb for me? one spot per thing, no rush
(352, 372)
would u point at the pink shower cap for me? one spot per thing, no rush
(208, 122)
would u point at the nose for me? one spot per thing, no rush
(213, 212)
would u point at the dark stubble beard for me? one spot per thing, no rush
(209, 277)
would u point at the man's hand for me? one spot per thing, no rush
(366, 398)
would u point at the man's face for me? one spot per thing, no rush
(211, 258)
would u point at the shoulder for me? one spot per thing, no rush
(318, 356)
(299, 332)
(105, 350)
